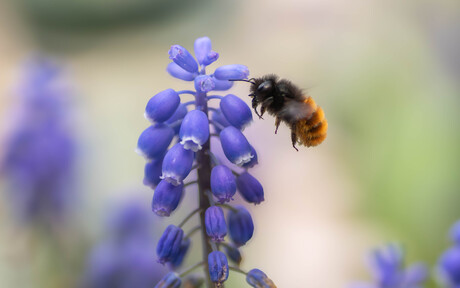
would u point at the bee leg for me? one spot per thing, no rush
(262, 111)
(255, 103)
(294, 137)
(277, 124)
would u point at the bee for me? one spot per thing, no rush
(288, 104)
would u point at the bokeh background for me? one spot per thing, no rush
(387, 74)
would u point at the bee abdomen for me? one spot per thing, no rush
(312, 131)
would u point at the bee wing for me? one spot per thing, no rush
(294, 111)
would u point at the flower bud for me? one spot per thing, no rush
(154, 141)
(240, 226)
(449, 265)
(254, 161)
(177, 117)
(259, 279)
(236, 111)
(216, 228)
(170, 280)
(169, 244)
(177, 164)
(202, 47)
(204, 83)
(166, 198)
(222, 85)
(184, 246)
(223, 185)
(236, 147)
(219, 118)
(177, 72)
(152, 173)
(250, 188)
(210, 58)
(194, 130)
(218, 267)
(231, 72)
(162, 106)
(233, 253)
(183, 58)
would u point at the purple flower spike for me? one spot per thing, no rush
(251, 189)
(162, 106)
(171, 280)
(223, 184)
(236, 111)
(169, 244)
(218, 267)
(259, 279)
(177, 72)
(240, 226)
(216, 228)
(152, 173)
(177, 117)
(220, 119)
(194, 130)
(183, 58)
(202, 47)
(235, 146)
(177, 164)
(231, 72)
(204, 83)
(166, 198)
(222, 85)
(254, 161)
(154, 141)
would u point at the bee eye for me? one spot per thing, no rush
(265, 86)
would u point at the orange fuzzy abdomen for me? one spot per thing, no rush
(312, 131)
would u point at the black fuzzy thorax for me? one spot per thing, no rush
(283, 93)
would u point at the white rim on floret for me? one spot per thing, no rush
(141, 153)
(146, 116)
(243, 159)
(191, 143)
(172, 178)
(246, 125)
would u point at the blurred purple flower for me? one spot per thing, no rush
(38, 162)
(388, 268)
(124, 258)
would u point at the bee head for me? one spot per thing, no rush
(265, 87)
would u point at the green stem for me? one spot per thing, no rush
(189, 216)
(190, 269)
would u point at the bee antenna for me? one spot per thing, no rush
(244, 80)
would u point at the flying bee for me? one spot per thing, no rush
(286, 102)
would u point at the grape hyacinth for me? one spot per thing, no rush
(123, 258)
(388, 268)
(39, 157)
(184, 128)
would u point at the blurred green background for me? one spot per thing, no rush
(387, 74)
